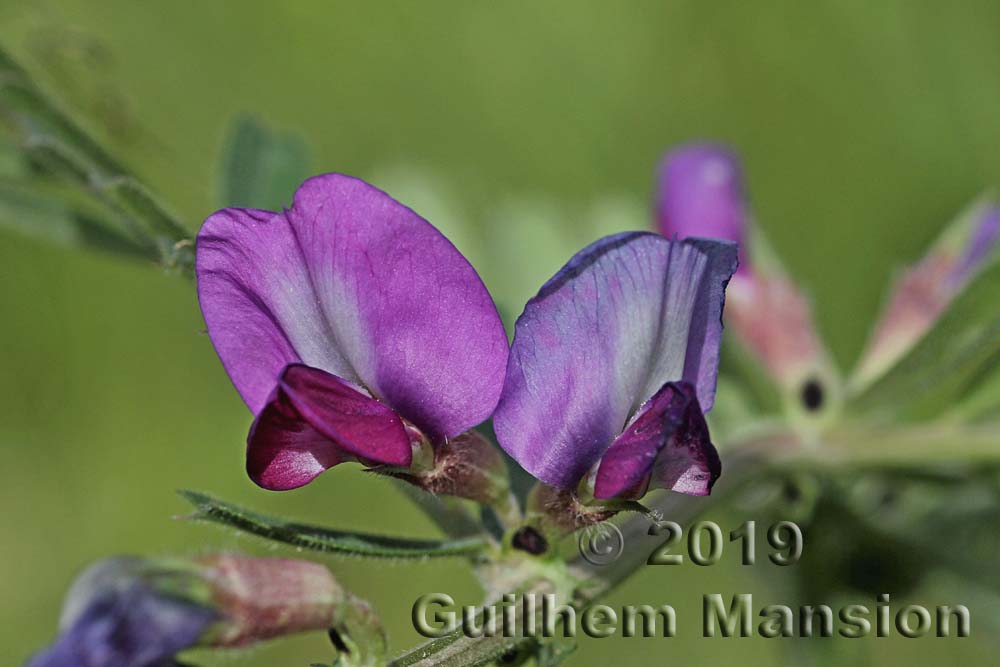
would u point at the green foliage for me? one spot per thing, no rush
(38, 211)
(947, 364)
(261, 167)
(123, 216)
(326, 540)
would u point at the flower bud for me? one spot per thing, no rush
(923, 292)
(773, 319)
(136, 612)
(700, 194)
(263, 598)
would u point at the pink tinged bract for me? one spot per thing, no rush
(924, 292)
(353, 283)
(624, 317)
(700, 193)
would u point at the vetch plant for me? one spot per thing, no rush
(356, 333)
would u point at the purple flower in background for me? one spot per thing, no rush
(614, 363)
(138, 612)
(350, 326)
(700, 194)
(113, 618)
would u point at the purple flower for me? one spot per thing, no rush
(136, 612)
(351, 327)
(114, 618)
(700, 193)
(614, 363)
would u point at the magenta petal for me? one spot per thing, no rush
(700, 194)
(624, 317)
(314, 421)
(666, 446)
(350, 281)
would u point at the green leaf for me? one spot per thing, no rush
(39, 213)
(945, 521)
(31, 112)
(326, 540)
(261, 168)
(455, 649)
(60, 150)
(948, 362)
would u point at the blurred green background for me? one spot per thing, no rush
(522, 129)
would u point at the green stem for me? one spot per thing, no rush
(458, 650)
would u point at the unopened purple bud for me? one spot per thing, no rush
(700, 194)
(115, 617)
(983, 240)
(134, 612)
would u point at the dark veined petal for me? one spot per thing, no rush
(352, 282)
(700, 193)
(314, 421)
(666, 446)
(624, 317)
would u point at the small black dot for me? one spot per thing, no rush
(812, 395)
(530, 540)
(515, 656)
(337, 641)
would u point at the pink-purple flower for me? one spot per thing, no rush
(700, 193)
(141, 612)
(356, 332)
(613, 364)
(350, 326)
(115, 617)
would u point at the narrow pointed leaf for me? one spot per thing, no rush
(960, 351)
(38, 213)
(327, 540)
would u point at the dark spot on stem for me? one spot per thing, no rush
(813, 395)
(517, 655)
(530, 540)
(337, 641)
